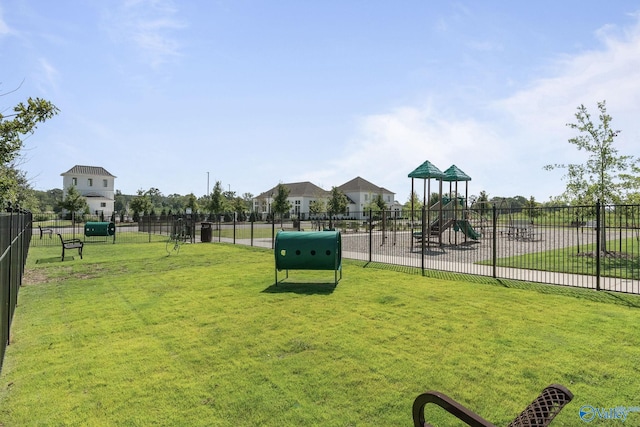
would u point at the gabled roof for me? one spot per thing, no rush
(297, 189)
(87, 170)
(361, 185)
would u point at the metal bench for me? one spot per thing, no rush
(71, 244)
(48, 231)
(538, 414)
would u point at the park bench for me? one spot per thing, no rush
(540, 412)
(48, 231)
(71, 244)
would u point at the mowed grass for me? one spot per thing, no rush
(130, 336)
(624, 263)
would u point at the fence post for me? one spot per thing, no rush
(273, 228)
(424, 236)
(370, 236)
(598, 242)
(494, 230)
(234, 227)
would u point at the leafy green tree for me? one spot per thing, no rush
(217, 201)
(281, 204)
(338, 202)
(73, 202)
(412, 200)
(192, 202)
(15, 188)
(119, 201)
(602, 177)
(531, 208)
(481, 204)
(141, 204)
(317, 207)
(13, 127)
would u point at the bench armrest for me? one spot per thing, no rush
(448, 404)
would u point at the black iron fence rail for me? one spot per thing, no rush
(593, 246)
(15, 236)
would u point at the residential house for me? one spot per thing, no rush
(361, 193)
(95, 184)
(301, 194)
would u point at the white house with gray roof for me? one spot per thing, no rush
(359, 192)
(301, 194)
(95, 184)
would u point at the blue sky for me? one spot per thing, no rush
(161, 92)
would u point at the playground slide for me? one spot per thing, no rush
(467, 229)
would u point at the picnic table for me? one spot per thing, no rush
(521, 230)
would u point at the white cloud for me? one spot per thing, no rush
(4, 27)
(48, 75)
(505, 154)
(149, 26)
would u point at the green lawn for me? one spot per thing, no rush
(572, 260)
(130, 336)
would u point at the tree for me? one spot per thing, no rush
(337, 203)
(317, 207)
(73, 202)
(217, 202)
(140, 204)
(412, 200)
(281, 203)
(15, 188)
(13, 127)
(192, 202)
(602, 176)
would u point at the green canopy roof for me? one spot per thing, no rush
(455, 174)
(427, 171)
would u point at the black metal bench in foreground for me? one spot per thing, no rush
(539, 413)
(71, 244)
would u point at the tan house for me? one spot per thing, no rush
(95, 184)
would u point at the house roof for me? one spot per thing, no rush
(298, 189)
(359, 185)
(88, 170)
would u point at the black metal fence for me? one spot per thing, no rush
(595, 246)
(15, 236)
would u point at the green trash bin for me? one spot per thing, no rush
(304, 250)
(205, 232)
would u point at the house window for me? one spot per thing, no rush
(105, 183)
(90, 181)
(74, 181)
(103, 205)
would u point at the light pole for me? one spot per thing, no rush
(207, 184)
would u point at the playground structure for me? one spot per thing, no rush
(449, 212)
(317, 250)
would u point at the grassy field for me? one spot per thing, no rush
(569, 260)
(130, 336)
